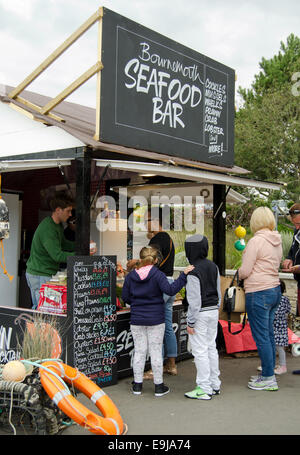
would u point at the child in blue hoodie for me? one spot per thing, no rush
(143, 289)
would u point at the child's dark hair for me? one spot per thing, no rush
(282, 286)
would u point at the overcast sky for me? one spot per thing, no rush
(236, 33)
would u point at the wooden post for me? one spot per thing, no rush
(83, 184)
(219, 225)
(98, 92)
(60, 50)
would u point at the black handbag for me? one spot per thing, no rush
(234, 301)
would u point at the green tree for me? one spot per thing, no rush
(275, 72)
(267, 127)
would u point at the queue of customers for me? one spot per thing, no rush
(144, 290)
(150, 290)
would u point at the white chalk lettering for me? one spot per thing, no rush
(168, 95)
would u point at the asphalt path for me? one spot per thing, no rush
(237, 411)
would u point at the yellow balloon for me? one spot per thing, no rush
(240, 232)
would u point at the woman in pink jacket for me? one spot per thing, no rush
(259, 270)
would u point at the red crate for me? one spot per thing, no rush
(53, 299)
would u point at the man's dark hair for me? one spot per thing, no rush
(61, 200)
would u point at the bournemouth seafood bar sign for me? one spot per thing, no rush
(160, 96)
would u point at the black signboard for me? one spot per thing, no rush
(159, 95)
(68, 341)
(125, 345)
(92, 317)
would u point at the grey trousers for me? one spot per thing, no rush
(148, 338)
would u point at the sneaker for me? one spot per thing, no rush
(161, 389)
(277, 368)
(137, 388)
(255, 377)
(198, 394)
(216, 392)
(280, 369)
(260, 384)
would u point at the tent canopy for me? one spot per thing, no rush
(20, 134)
(41, 138)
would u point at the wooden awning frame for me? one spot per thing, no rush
(95, 69)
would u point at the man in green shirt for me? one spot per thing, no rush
(49, 246)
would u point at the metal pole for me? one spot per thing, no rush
(219, 227)
(83, 196)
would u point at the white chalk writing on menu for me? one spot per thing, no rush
(214, 101)
(94, 316)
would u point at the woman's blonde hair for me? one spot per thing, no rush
(262, 218)
(148, 256)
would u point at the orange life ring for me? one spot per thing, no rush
(110, 424)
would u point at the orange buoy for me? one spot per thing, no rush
(110, 424)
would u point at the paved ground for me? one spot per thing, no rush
(237, 411)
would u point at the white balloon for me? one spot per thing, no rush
(14, 371)
(296, 349)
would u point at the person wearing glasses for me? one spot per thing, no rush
(292, 263)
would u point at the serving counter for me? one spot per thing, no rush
(125, 342)
(15, 320)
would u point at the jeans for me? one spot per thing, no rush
(261, 307)
(170, 340)
(35, 282)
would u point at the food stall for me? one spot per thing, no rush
(179, 129)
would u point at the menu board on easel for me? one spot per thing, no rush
(92, 317)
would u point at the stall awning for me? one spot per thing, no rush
(25, 165)
(80, 122)
(21, 135)
(194, 175)
(181, 189)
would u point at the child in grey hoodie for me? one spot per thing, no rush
(203, 294)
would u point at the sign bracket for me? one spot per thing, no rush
(45, 110)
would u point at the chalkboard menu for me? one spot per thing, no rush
(92, 317)
(161, 96)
